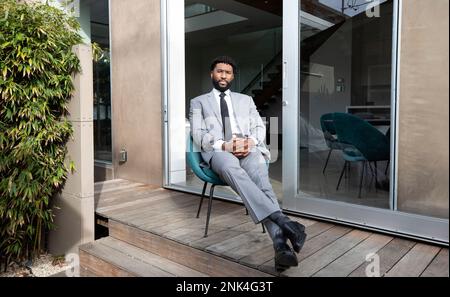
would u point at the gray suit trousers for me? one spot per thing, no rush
(249, 177)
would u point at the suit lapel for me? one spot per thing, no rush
(214, 106)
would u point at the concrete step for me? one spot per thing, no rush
(112, 257)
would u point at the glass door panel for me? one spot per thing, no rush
(251, 33)
(345, 101)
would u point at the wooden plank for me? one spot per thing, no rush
(266, 254)
(98, 186)
(91, 265)
(214, 238)
(312, 245)
(188, 234)
(106, 261)
(389, 255)
(161, 200)
(232, 220)
(118, 187)
(217, 210)
(118, 198)
(351, 260)
(160, 207)
(151, 259)
(304, 221)
(154, 203)
(439, 265)
(199, 260)
(240, 246)
(415, 261)
(323, 257)
(106, 196)
(129, 202)
(156, 222)
(165, 200)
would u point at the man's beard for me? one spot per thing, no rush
(220, 88)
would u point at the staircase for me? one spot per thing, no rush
(129, 250)
(266, 87)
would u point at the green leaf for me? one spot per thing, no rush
(36, 64)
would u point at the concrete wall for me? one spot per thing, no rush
(74, 215)
(423, 169)
(136, 89)
(74, 212)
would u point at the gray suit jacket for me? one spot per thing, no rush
(206, 122)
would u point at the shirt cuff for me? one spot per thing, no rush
(255, 141)
(218, 145)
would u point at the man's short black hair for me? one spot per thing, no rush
(225, 60)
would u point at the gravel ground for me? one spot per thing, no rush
(45, 265)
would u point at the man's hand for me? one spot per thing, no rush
(239, 147)
(228, 146)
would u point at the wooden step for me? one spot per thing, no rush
(114, 185)
(197, 259)
(111, 257)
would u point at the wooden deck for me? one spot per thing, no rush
(162, 222)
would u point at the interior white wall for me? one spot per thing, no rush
(336, 54)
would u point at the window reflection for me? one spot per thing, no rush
(345, 100)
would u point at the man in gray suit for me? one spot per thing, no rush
(228, 129)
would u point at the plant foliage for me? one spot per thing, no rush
(37, 65)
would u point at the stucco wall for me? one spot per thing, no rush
(136, 89)
(423, 109)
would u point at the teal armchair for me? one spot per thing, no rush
(194, 159)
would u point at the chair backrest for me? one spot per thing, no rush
(371, 143)
(326, 123)
(194, 158)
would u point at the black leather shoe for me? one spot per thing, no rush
(295, 232)
(284, 257)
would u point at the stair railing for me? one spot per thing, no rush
(260, 76)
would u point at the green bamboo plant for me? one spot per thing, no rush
(37, 65)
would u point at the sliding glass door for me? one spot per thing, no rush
(251, 33)
(323, 75)
(340, 113)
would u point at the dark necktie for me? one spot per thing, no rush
(225, 118)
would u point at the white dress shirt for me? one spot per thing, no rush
(234, 125)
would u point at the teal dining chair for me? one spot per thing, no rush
(368, 143)
(329, 133)
(205, 174)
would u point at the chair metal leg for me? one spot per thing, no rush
(201, 200)
(362, 177)
(326, 162)
(376, 173)
(246, 211)
(211, 193)
(264, 228)
(371, 170)
(340, 177)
